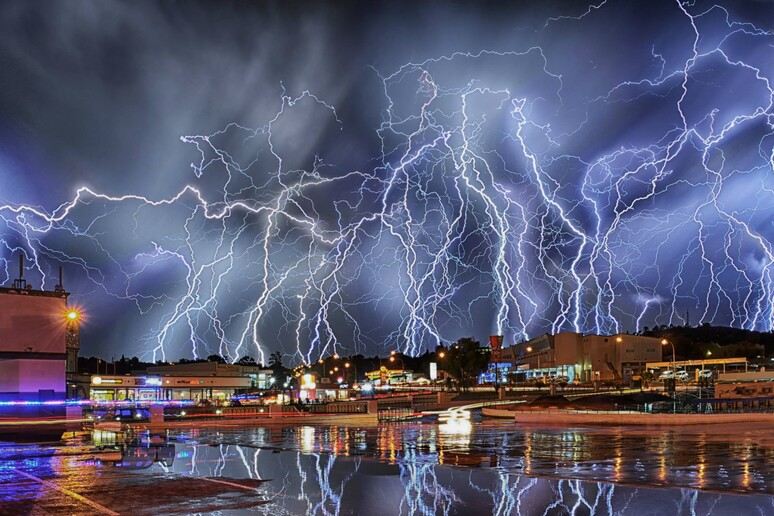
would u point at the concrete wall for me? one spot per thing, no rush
(636, 348)
(24, 379)
(597, 351)
(32, 323)
(568, 348)
(760, 389)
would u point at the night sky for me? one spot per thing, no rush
(244, 177)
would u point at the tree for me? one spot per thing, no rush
(216, 358)
(247, 361)
(281, 373)
(465, 360)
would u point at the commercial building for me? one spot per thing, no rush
(384, 376)
(755, 384)
(580, 358)
(38, 338)
(149, 388)
(314, 389)
(195, 381)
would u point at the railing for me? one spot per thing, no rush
(699, 406)
(347, 407)
(395, 414)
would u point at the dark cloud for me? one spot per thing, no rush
(98, 94)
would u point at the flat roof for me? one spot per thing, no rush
(33, 292)
(750, 376)
(702, 361)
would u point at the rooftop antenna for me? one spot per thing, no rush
(60, 287)
(20, 283)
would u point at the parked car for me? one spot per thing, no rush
(667, 375)
(705, 374)
(683, 376)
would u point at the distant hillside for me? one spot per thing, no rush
(715, 341)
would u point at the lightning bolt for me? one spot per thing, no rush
(481, 209)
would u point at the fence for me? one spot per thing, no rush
(395, 414)
(347, 407)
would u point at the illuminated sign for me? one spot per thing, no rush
(433, 370)
(98, 380)
(153, 381)
(307, 382)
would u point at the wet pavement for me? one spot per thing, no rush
(416, 468)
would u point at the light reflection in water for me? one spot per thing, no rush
(653, 457)
(307, 439)
(333, 482)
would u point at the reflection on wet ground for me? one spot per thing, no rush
(669, 457)
(399, 469)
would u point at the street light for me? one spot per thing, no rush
(529, 350)
(393, 358)
(347, 365)
(664, 342)
(402, 365)
(441, 354)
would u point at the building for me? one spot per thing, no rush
(151, 388)
(756, 384)
(384, 376)
(259, 378)
(34, 345)
(195, 381)
(580, 358)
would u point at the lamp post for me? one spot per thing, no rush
(393, 357)
(664, 342)
(529, 350)
(347, 365)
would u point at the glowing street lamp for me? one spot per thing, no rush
(664, 342)
(529, 350)
(347, 365)
(402, 365)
